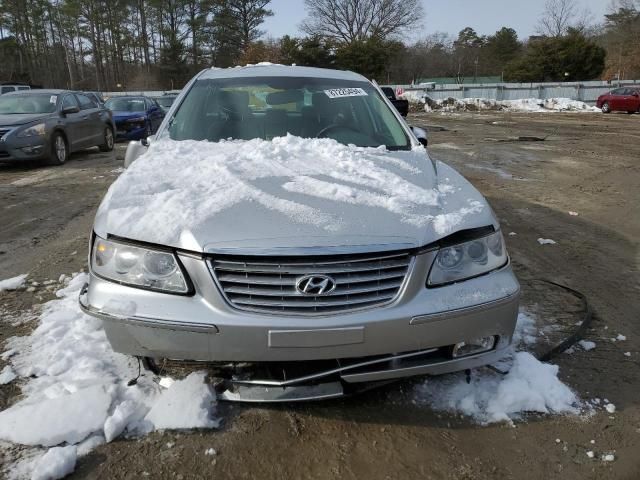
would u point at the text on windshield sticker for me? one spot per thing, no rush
(345, 92)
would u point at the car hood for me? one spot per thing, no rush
(21, 118)
(287, 194)
(117, 115)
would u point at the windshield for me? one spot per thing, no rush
(125, 104)
(351, 112)
(15, 104)
(165, 101)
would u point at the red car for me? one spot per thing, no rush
(625, 99)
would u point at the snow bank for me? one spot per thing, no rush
(74, 389)
(284, 175)
(530, 386)
(13, 283)
(522, 105)
(7, 375)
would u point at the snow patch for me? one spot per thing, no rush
(530, 386)
(74, 390)
(7, 375)
(13, 283)
(587, 345)
(546, 241)
(58, 462)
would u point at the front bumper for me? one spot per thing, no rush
(204, 328)
(24, 149)
(127, 131)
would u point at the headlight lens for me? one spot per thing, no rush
(468, 259)
(137, 120)
(137, 266)
(33, 131)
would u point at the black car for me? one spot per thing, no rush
(50, 124)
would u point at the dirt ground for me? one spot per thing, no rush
(586, 163)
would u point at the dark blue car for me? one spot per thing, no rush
(135, 117)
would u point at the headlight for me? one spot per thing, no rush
(137, 266)
(469, 259)
(33, 131)
(137, 120)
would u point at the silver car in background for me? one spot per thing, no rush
(49, 125)
(287, 231)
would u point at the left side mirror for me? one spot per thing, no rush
(421, 135)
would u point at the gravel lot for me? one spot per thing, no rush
(588, 164)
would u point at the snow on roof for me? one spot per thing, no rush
(266, 69)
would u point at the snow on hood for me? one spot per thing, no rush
(287, 192)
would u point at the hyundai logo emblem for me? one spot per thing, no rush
(315, 285)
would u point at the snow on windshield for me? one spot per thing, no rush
(178, 185)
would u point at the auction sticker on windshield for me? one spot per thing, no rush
(345, 92)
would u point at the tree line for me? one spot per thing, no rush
(159, 44)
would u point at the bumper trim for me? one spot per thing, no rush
(421, 319)
(339, 370)
(142, 321)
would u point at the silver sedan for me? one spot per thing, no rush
(287, 231)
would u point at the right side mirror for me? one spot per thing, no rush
(421, 135)
(134, 150)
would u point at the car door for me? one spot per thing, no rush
(616, 101)
(73, 123)
(91, 116)
(634, 100)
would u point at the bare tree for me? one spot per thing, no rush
(561, 15)
(352, 20)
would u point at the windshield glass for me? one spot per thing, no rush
(165, 101)
(350, 112)
(125, 104)
(14, 104)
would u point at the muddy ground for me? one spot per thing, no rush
(587, 163)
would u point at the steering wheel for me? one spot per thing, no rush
(335, 126)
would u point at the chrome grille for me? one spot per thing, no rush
(4, 131)
(268, 284)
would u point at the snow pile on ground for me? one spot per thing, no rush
(13, 283)
(286, 175)
(536, 105)
(529, 386)
(75, 390)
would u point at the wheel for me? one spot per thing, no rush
(59, 150)
(107, 145)
(606, 108)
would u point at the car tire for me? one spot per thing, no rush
(109, 141)
(59, 149)
(606, 108)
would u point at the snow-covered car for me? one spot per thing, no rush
(286, 231)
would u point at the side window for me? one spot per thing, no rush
(69, 101)
(6, 89)
(148, 103)
(24, 88)
(85, 102)
(618, 91)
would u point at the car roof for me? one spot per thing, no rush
(266, 69)
(128, 97)
(40, 91)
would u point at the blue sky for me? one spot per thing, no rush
(449, 16)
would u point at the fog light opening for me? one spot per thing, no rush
(473, 346)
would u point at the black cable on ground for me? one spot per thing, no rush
(578, 332)
(572, 339)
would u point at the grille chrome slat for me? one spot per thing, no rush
(268, 284)
(312, 302)
(266, 292)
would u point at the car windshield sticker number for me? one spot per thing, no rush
(345, 92)
(53, 99)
